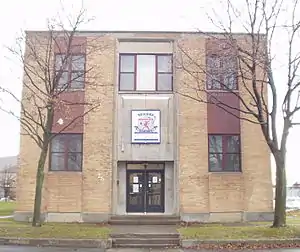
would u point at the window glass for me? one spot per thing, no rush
(215, 144)
(74, 161)
(233, 144)
(127, 63)
(58, 144)
(74, 143)
(232, 162)
(77, 80)
(164, 63)
(57, 162)
(78, 62)
(215, 162)
(126, 81)
(66, 152)
(60, 62)
(164, 82)
(224, 153)
(146, 72)
(63, 79)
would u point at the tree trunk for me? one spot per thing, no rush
(280, 192)
(36, 221)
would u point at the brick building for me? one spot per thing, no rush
(148, 148)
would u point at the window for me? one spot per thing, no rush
(72, 70)
(145, 72)
(66, 152)
(224, 153)
(221, 72)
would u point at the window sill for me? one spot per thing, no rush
(61, 171)
(70, 90)
(226, 172)
(146, 92)
(222, 90)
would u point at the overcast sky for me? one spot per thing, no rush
(18, 15)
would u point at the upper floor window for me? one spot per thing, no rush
(224, 153)
(145, 72)
(71, 71)
(221, 72)
(66, 152)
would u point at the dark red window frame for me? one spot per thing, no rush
(157, 73)
(66, 152)
(225, 152)
(219, 73)
(69, 70)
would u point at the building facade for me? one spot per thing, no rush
(150, 148)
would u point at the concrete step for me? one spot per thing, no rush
(144, 220)
(145, 246)
(146, 235)
(158, 241)
(145, 217)
(147, 240)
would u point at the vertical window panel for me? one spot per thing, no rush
(224, 153)
(145, 77)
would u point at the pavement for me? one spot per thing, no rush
(52, 249)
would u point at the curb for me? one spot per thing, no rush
(46, 242)
(188, 243)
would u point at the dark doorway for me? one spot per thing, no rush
(145, 191)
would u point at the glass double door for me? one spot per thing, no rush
(145, 191)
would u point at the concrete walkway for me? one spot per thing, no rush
(53, 249)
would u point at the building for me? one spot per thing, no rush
(148, 149)
(8, 174)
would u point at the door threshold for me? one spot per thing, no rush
(146, 214)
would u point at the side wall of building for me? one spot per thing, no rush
(216, 196)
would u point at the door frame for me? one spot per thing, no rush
(144, 171)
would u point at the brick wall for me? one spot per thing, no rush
(201, 191)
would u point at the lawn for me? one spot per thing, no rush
(11, 228)
(7, 208)
(219, 232)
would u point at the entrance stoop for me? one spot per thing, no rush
(145, 236)
(144, 220)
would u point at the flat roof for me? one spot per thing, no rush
(142, 32)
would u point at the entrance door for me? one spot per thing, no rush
(145, 191)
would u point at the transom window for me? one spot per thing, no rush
(221, 72)
(70, 71)
(66, 152)
(145, 72)
(224, 153)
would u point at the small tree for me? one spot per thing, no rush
(45, 89)
(255, 60)
(7, 182)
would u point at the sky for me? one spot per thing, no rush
(168, 15)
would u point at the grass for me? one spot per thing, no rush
(10, 228)
(7, 208)
(219, 232)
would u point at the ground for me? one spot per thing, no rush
(259, 230)
(6, 208)
(30, 249)
(10, 228)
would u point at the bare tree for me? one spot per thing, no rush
(47, 85)
(249, 59)
(7, 182)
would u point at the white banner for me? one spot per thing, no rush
(145, 126)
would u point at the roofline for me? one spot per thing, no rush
(145, 32)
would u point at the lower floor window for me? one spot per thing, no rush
(66, 152)
(224, 153)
